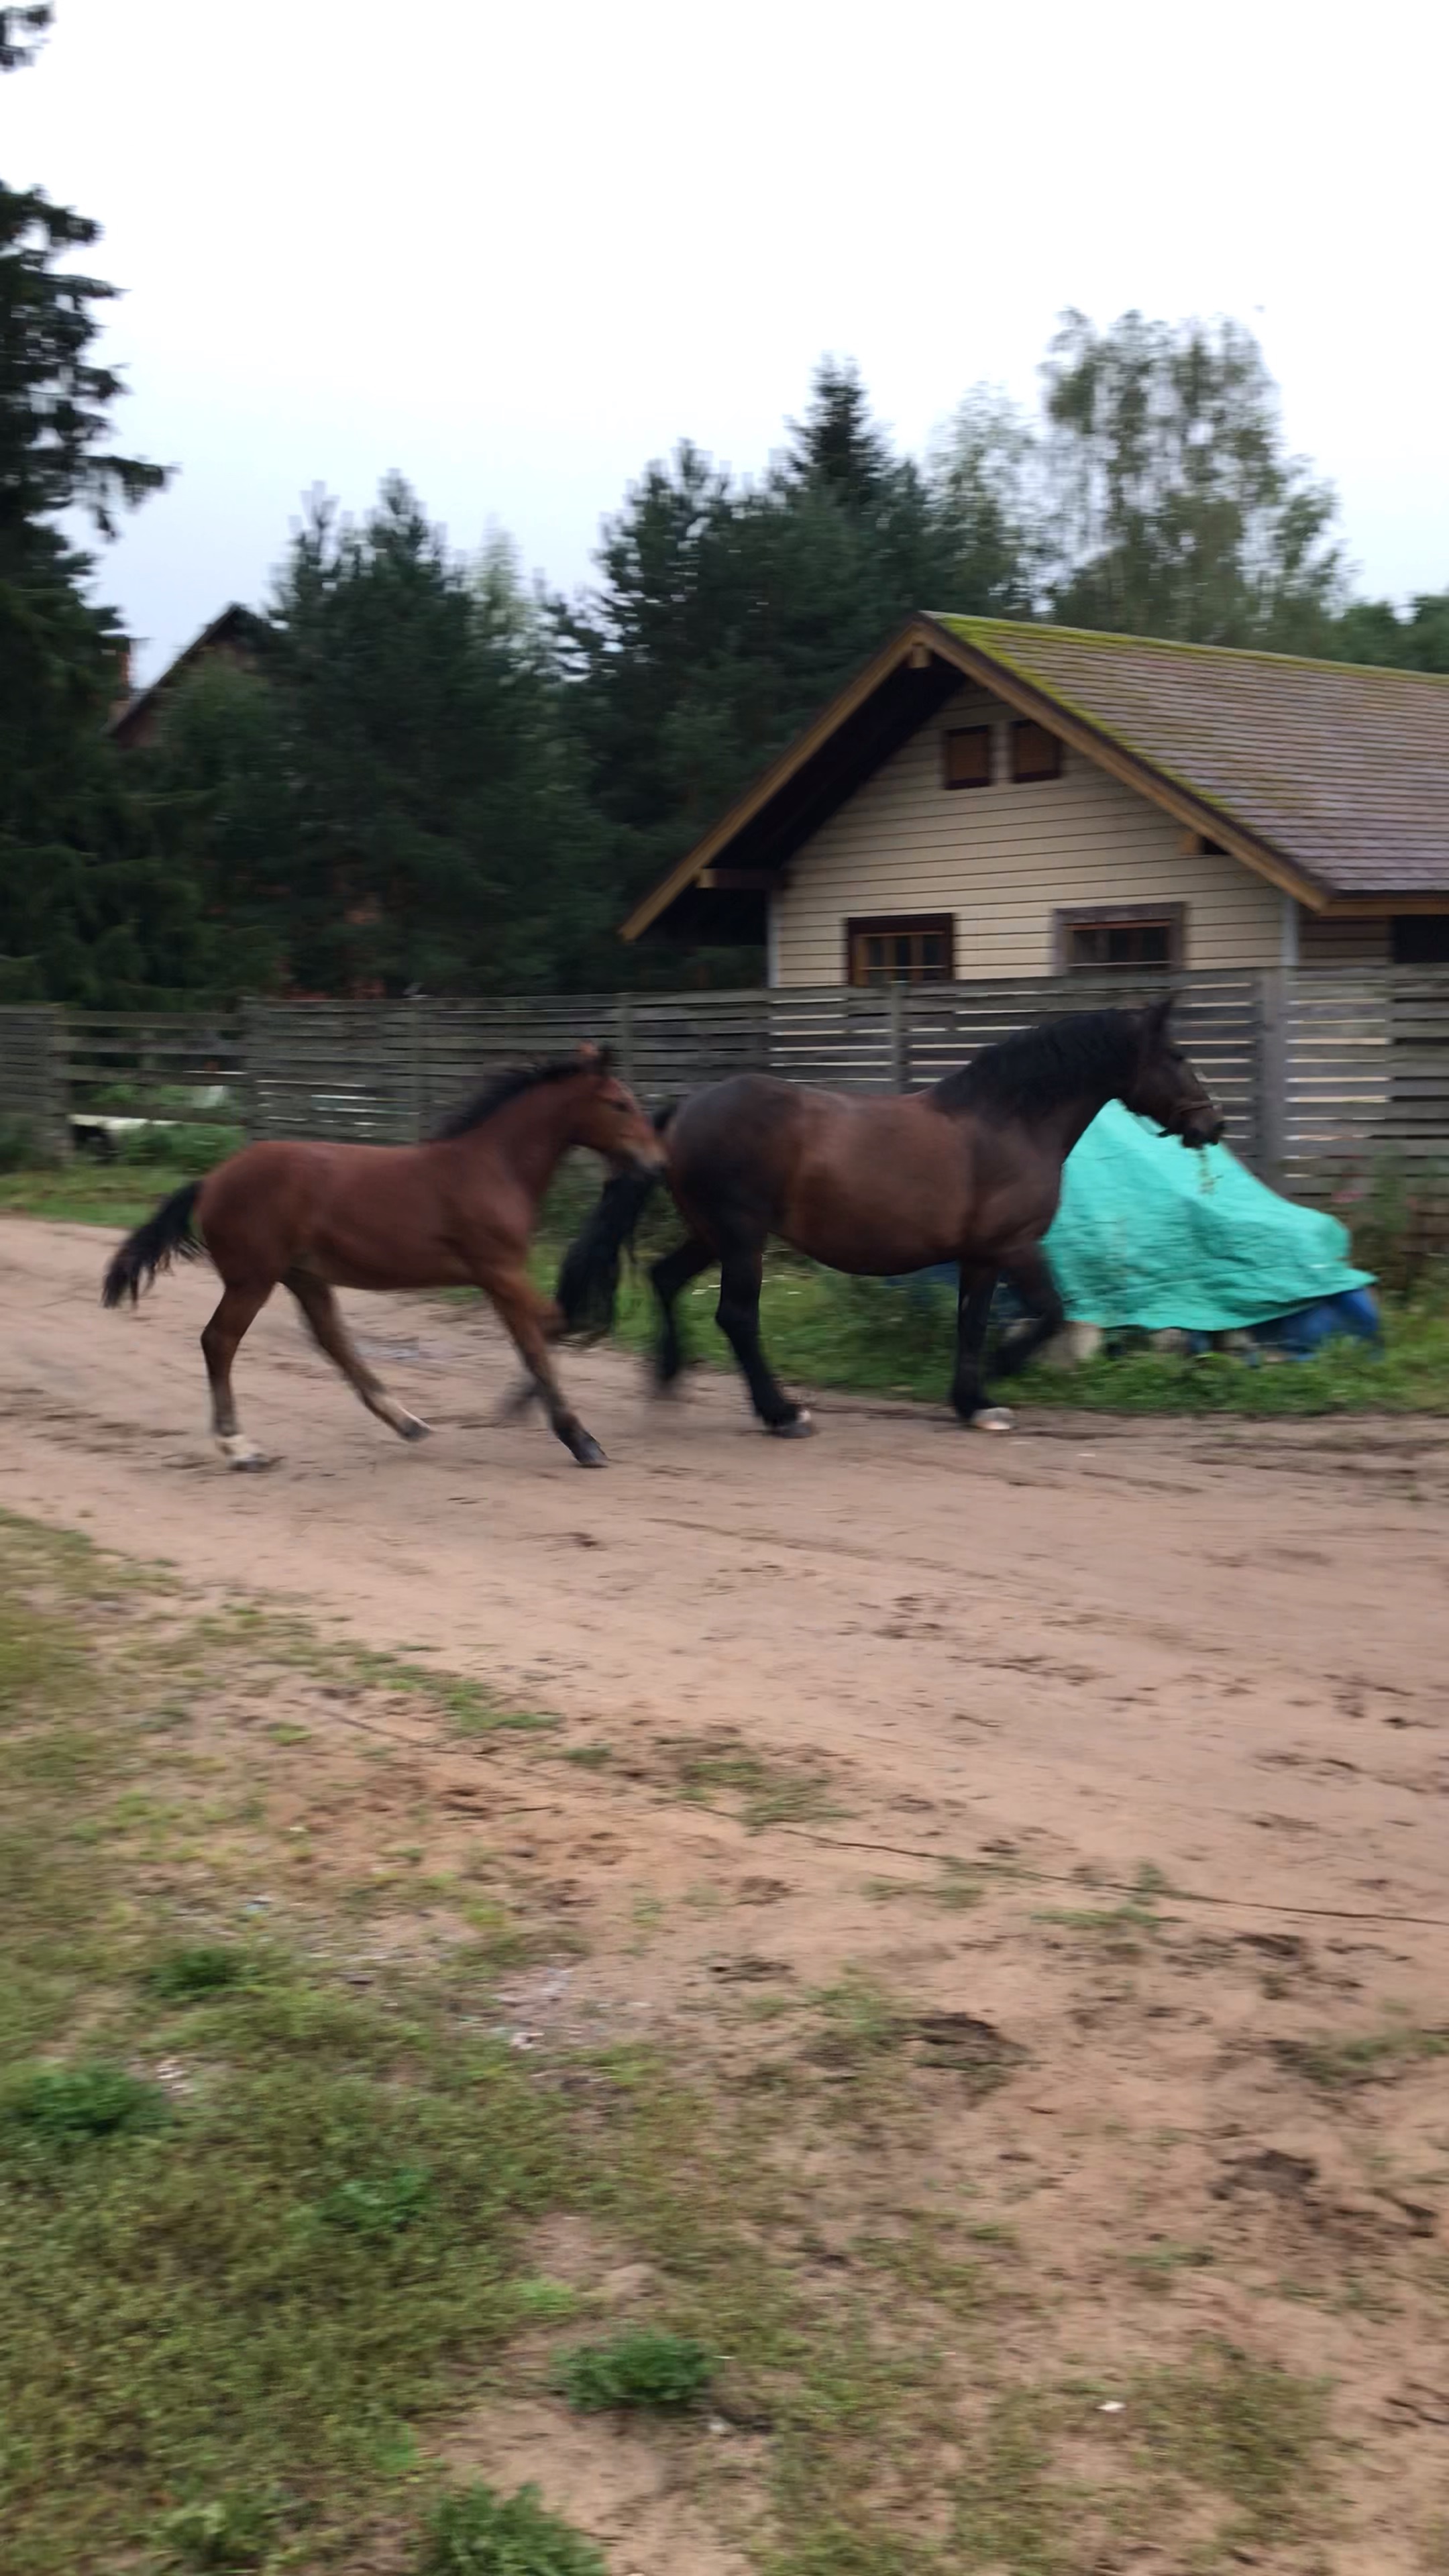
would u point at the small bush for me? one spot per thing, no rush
(207, 1968)
(663, 2372)
(19, 1151)
(382, 2207)
(477, 2533)
(65, 2104)
(231, 2531)
(181, 1148)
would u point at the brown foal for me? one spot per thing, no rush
(457, 1212)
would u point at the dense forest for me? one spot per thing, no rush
(433, 777)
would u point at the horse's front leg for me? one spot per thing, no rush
(1029, 1273)
(738, 1316)
(532, 1322)
(968, 1387)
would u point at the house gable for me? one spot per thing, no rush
(1005, 861)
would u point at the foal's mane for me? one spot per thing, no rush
(510, 1084)
(1036, 1068)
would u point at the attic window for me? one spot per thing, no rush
(907, 948)
(967, 756)
(1035, 753)
(1126, 938)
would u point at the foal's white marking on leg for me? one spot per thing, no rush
(238, 1451)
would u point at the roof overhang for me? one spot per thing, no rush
(909, 680)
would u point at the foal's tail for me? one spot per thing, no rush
(588, 1281)
(170, 1235)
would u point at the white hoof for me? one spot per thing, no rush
(993, 1417)
(240, 1452)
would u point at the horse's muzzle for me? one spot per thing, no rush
(1203, 1128)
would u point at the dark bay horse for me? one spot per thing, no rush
(969, 1172)
(457, 1212)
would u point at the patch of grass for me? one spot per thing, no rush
(1156, 2267)
(956, 1888)
(474, 2532)
(1122, 1928)
(769, 1793)
(1374, 2057)
(197, 1969)
(81, 1192)
(642, 2368)
(382, 2205)
(65, 2106)
(1241, 2429)
(227, 2531)
(868, 1335)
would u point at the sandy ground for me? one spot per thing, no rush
(1218, 1649)
(1216, 1653)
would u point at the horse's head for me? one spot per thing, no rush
(610, 1120)
(1164, 1085)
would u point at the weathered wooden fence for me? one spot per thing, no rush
(1313, 1069)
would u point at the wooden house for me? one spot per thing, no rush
(991, 799)
(237, 636)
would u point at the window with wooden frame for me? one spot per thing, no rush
(1130, 938)
(966, 756)
(1035, 753)
(907, 948)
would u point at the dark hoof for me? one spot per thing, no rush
(587, 1452)
(799, 1427)
(410, 1428)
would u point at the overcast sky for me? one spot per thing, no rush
(517, 250)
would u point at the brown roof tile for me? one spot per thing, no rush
(1344, 770)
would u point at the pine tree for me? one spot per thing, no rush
(88, 909)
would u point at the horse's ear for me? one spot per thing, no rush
(1157, 1017)
(588, 1054)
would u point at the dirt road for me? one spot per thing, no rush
(1201, 1665)
(1217, 1649)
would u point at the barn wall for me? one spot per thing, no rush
(1001, 859)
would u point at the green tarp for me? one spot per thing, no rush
(1151, 1233)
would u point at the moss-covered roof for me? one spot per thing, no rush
(1344, 769)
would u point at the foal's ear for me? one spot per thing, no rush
(588, 1054)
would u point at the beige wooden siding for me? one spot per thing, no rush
(1342, 943)
(1001, 859)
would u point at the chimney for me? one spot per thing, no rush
(123, 677)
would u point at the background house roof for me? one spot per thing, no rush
(1343, 769)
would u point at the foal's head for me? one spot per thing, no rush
(609, 1120)
(1164, 1085)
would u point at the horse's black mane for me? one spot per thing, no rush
(1035, 1068)
(506, 1085)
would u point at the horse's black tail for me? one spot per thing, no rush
(170, 1235)
(588, 1280)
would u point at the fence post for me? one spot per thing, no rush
(419, 1026)
(624, 1036)
(1272, 1140)
(898, 995)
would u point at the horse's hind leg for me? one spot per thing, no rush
(667, 1278)
(738, 1317)
(968, 1387)
(324, 1320)
(1029, 1273)
(240, 1305)
(530, 1320)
